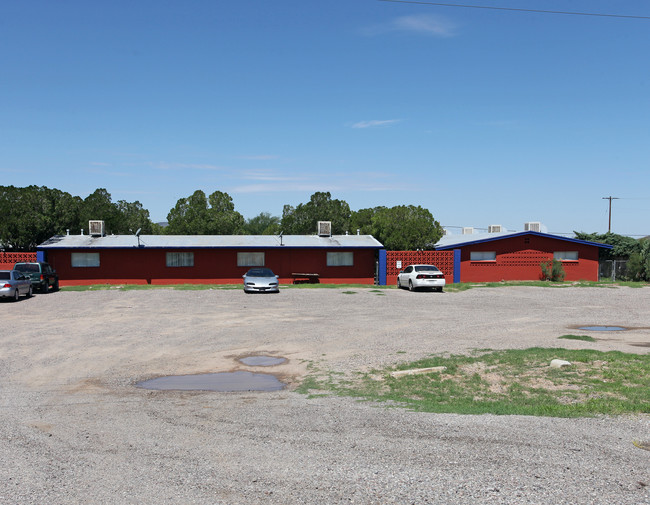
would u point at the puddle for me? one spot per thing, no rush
(262, 361)
(602, 328)
(222, 382)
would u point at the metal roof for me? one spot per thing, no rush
(209, 241)
(454, 241)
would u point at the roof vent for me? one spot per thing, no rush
(96, 228)
(495, 228)
(533, 226)
(324, 228)
(468, 230)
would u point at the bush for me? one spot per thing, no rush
(638, 267)
(552, 270)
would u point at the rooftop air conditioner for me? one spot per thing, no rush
(96, 228)
(495, 228)
(468, 230)
(533, 226)
(324, 228)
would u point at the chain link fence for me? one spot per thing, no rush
(614, 270)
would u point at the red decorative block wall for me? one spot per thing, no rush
(9, 259)
(444, 260)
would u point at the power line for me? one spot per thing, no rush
(536, 11)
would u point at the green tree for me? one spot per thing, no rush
(32, 214)
(134, 217)
(303, 219)
(623, 246)
(362, 220)
(405, 228)
(201, 215)
(262, 224)
(99, 206)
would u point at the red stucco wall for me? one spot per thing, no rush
(518, 258)
(218, 266)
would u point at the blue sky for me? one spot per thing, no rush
(481, 116)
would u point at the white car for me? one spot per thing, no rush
(421, 276)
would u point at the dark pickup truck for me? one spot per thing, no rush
(43, 276)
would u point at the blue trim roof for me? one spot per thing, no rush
(455, 241)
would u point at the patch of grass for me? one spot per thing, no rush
(349, 292)
(144, 287)
(585, 338)
(238, 286)
(464, 286)
(512, 382)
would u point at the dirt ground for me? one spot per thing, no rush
(75, 429)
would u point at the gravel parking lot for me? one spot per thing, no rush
(74, 429)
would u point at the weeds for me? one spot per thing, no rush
(508, 382)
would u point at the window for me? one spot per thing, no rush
(180, 259)
(483, 256)
(340, 259)
(250, 259)
(566, 255)
(82, 260)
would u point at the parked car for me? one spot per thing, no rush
(13, 284)
(43, 276)
(261, 279)
(421, 276)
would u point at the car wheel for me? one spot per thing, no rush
(56, 285)
(29, 292)
(411, 287)
(399, 284)
(45, 287)
(16, 295)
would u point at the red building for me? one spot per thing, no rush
(209, 259)
(510, 256)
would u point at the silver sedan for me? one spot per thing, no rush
(421, 276)
(13, 284)
(261, 279)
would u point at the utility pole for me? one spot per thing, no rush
(610, 198)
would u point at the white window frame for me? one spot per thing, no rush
(84, 260)
(176, 259)
(340, 259)
(566, 255)
(251, 259)
(482, 255)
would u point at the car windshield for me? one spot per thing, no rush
(5, 276)
(27, 267)
(426, 268)
(260, 272)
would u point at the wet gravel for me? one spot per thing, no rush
(74, 428)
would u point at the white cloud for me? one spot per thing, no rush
(425, 24)
(266, 175)
(258, 157)
(375, 123)
(185, 166)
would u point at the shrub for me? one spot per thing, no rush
(552, 270)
